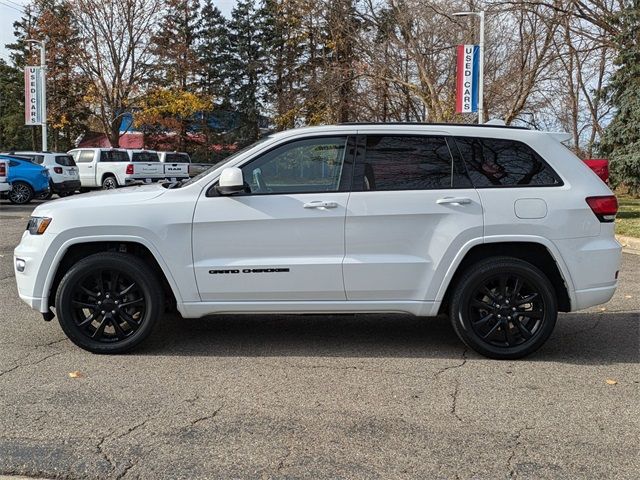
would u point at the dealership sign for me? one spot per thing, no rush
(468, 78)
(34, 96)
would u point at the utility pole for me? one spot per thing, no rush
(43, 65)
(480, 15)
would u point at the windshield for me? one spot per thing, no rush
(226, 160)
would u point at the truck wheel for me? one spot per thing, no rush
(109, 183)
(503, 308)
(109, 302)
(20, 193)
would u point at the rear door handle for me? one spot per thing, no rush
(453, 201)
(320, 204)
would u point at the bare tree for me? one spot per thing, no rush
(115, 55)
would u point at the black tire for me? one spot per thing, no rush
(490, 313)
(21, 193)
(109, 302)
(45, 196)
(109, 182)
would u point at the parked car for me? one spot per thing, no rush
(500, 227)
(600, 167)
(63, 172)
(26, 179)
(109, 168)
(5, 186)
(176, 164)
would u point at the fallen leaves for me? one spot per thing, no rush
(611, 381)
(76, 374)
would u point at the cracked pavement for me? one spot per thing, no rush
(342, 396)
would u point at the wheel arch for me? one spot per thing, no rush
(105, 175)
(73, 251)
(538, 252)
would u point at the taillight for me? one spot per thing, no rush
(58, 170)
(3, 169)
(130, 169)
(605, 208)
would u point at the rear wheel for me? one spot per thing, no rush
(20, 193)
(504, 308)
(109, 302)
(109, 183)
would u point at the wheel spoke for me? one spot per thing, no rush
(118, 329)
(526, 334)
(508, 335)
(100, 330)
(129, 319)
(100, 282)
(525, 300)
(530, 314)
(489, 293)
(516, 288)
(88, 292)
(481, 304)
(491, 331)
(88, 320)
(113, 285)
(80, 304)
(483, 320)
(503, 285)
(131, 302)
(127, 290)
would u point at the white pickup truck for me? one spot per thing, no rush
(176, 164)
(109, 168)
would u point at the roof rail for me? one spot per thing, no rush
(426, 124)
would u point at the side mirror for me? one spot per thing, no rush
(231, 181)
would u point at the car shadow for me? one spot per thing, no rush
(582, 338)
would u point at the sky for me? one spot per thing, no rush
(10, 12)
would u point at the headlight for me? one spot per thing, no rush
(38, 225)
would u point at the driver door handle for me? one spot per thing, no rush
(320, 204)
(453, 201)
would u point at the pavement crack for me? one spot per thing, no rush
(206, 417)
(452, 367)
(454, 400)
(513, 473)
(30, 364)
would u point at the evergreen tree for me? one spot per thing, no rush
(248, 65)
(13, 133)
(621, 139)
(214, 55)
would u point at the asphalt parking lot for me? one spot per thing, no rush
(354, 396)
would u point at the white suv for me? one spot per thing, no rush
(63, 172)
(501, 228)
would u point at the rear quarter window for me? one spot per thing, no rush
(65, 160)
(493, 162)
(113, 156)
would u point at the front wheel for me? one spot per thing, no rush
(504, 308)
(109, 302)
(21, 193)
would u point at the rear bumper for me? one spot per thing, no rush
(593, 265)
(66, 186)
(144, 181)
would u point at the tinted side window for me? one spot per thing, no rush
(407, 162)
(496, 162)
(114, 156)
(312, 165)
(144, 157)
(38, 159)
(65, 160)
(85, 156)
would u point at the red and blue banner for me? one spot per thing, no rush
(468, 78)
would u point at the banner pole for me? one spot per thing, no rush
(481, 73)
(43, 64)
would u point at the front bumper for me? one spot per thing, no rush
(31, 280)
(66, 186)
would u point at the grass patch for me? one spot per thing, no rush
(628, 219)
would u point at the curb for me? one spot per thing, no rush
(629, 244)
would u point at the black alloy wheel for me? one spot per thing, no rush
(109, 302)
(504, 308)
(21, 193)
